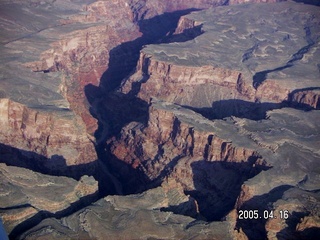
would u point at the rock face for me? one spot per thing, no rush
(55, 62)
(182, 144)
(27, 196)
(202, 117)
(248, 71)
(56, 136)
(259, 59)
(131, 217)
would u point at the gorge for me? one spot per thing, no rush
(145, 119)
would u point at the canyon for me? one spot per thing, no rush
(145, 119)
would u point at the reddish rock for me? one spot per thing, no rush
(47, 134)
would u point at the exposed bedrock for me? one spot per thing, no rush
(28, 197)
(135, 216)
(68, 47)
(68, 52)
(59, 136)
(220, 75)
(180, 144)
(217, 83)
(255, 75)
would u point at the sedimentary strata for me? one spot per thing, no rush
(27, 196)
(204, 118)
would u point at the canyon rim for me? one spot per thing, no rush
(146, 119)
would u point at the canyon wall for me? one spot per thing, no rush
(74, 53)
(34, 196)
(199, 116)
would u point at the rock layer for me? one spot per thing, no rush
(27, 196)
(119, 217)
(56, 136)
(253, 67)
(254, 58)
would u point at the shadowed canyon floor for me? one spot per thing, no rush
(145, 119)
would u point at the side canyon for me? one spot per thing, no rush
(146, 119)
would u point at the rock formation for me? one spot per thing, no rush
(201, 115)
(27, 196)
(130, 217)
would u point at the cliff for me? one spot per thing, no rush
(134, 216)
(47, 134)
(194, 116)
(34, 196)
(241, 68)
(74, 53)
(244, 61)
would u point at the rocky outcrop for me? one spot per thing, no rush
(301, 209)
(250, 73)
(291, 139)
(211, 77)
(235, 64)
(186, 85)
(28, 197)
(70, 50)
(52, 135)
(181, 144)
(118, 216)
(174, 133)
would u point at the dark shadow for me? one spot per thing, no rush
(186, 35)
(290, 231)
(250, 110)
(299, 105)
(41, 215)
(159, 29)
(312, 233)
(114, 110)
(168, 168)
(255, 228)
(133, 180)
(56, 165)
(217, 186)
(260, 77)
(311, 2)
(187, 208)
(238, 108)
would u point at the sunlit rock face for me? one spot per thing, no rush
(251, 62)
(54, 51)
(261, 56)
(53, 135)
(198, 114)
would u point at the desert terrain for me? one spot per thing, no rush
(148, 119)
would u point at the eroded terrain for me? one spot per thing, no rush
(182, 117)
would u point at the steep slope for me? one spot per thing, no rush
(55, 53)
(259, 56)
(28, 197)
(255, 64)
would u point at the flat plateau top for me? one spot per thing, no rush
(280, 40)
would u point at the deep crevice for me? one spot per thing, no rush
(260, 203)
(159, 29)
(21, 228)
(55, 166)
(310, 2)
(114, 110)
(217, 186)
(260, 77)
